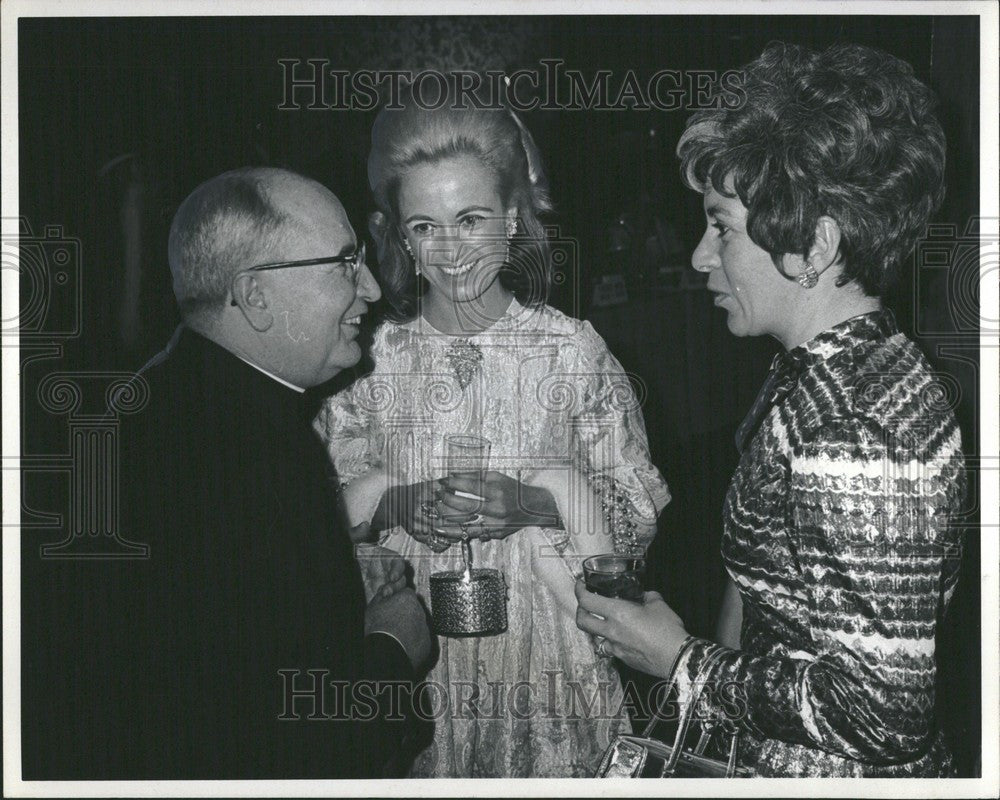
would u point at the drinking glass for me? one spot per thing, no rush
(612, 575)
(469, 456)
(466, 453)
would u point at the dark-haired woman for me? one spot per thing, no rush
(471, 348)
(840, 533)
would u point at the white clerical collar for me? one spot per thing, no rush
(283, 382)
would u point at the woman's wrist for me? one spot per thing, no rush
(674, 660)
(540, 508)
(363, 497)
(576, 503)
(379, 521)
(387, 513)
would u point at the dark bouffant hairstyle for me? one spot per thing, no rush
(848, 133)
(411, 135)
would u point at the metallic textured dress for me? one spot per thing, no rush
(839, 535)
(548, 395)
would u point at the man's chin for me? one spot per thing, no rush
(348, 356)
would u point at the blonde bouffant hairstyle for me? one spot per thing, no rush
(403, 137)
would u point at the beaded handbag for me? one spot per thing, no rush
(645, 757)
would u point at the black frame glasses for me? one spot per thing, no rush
(354, 260)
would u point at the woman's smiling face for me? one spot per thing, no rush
(454, 221)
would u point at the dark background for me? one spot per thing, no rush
(120, 119)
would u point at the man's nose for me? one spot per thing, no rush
(705, 256)
(368, 288)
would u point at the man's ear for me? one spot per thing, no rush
(249, 296)
(825, 250)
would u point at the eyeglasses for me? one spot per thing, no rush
(354, 260)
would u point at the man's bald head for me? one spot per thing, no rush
(230, 222)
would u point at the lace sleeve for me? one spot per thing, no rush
(349, 434)
(348, 427)
(610, 446)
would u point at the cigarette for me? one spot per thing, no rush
(470, 496)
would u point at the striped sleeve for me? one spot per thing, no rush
(869, 513)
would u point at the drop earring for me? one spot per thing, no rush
(416, 264)
(808, 277)
(511, 229)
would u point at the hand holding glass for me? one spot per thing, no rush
(465, 454)
(616, 576)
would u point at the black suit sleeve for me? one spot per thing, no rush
(387, 669)
(385, 659)
(177, 666)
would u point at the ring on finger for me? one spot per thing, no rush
(429, 509)
(434, 540)
(602, 647)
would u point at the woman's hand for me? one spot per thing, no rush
(500, 505)
(407, 507)
(647, 637)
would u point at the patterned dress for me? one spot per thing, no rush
(559, 412)
(840, 537)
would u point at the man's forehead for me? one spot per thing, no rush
(310, 206)
(294, 191)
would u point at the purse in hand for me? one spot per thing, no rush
(645, 757)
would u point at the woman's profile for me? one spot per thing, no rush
(840, 523)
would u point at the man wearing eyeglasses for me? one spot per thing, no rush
(296, 316)
(241, 647)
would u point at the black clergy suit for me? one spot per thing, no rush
(177, 666)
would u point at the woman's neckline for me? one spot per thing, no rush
(513, 310)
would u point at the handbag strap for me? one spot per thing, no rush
(657, 716)
(697, 688)
(684, 722)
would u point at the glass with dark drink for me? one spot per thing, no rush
(612, 575)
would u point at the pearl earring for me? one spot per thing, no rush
(808, 277)
(511, 227)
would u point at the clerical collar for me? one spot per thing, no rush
(172, 344)
(283, 382)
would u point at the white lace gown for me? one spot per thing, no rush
(559, 412)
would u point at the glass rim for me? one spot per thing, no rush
(639, 561)
(466, 440)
